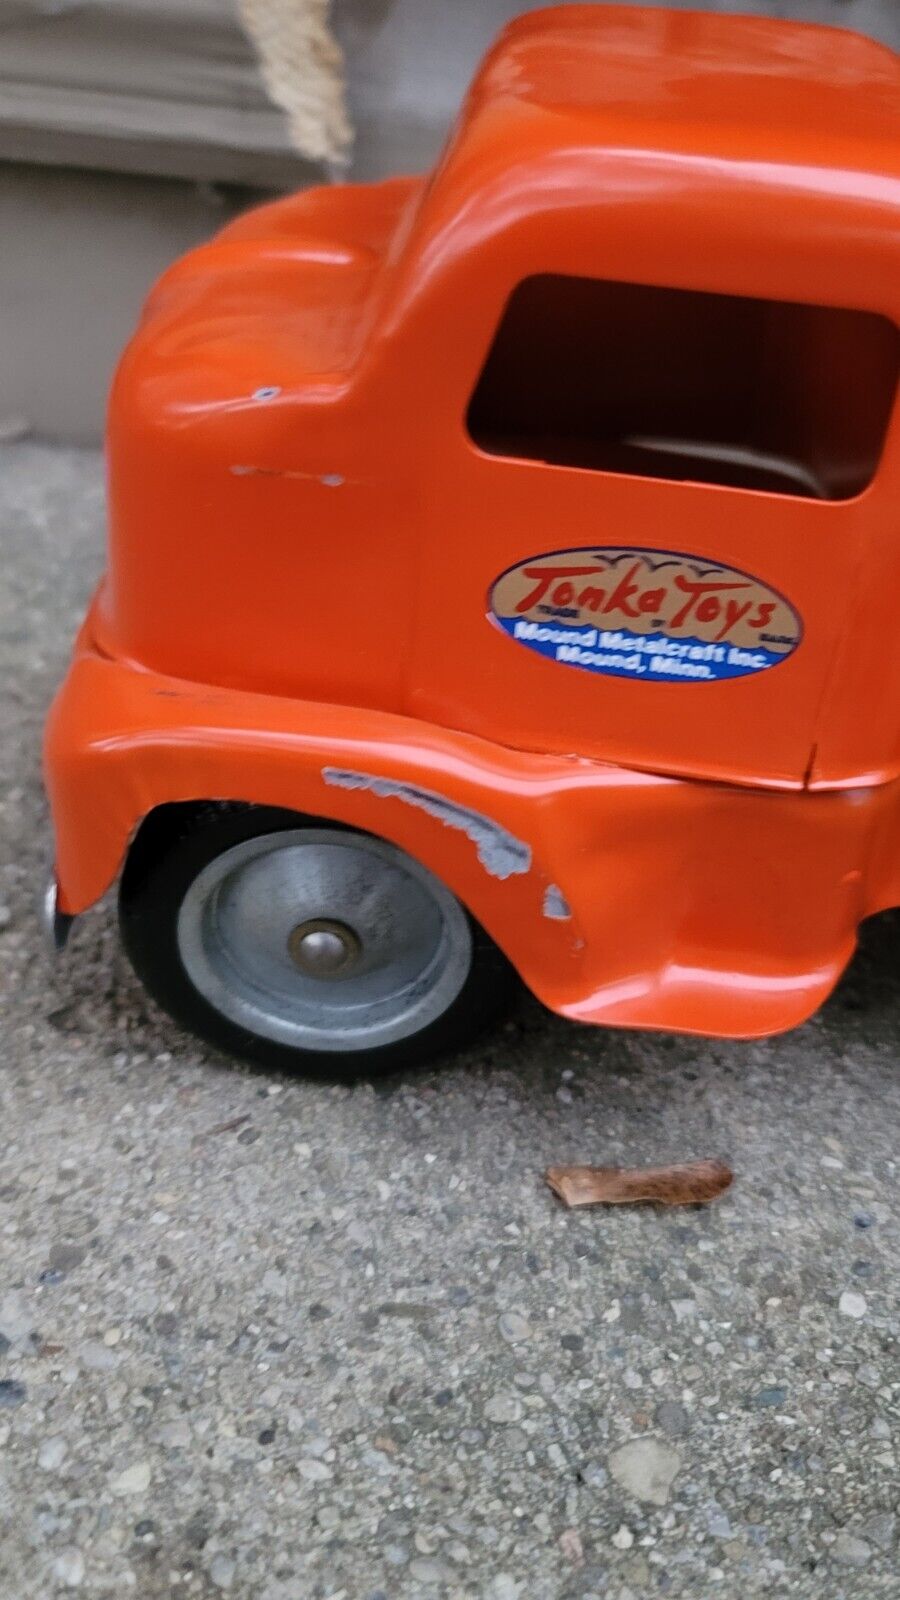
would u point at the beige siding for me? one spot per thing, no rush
(165, 86)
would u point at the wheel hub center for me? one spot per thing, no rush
(321, 948)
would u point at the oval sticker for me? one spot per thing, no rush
(655, 614)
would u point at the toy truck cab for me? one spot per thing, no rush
(538, 524)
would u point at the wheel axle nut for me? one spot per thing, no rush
(323, 949)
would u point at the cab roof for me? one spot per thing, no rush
(700, 137)
(722, 85)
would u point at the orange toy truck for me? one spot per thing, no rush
(504, 568)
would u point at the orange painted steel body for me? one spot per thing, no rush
(302, 533)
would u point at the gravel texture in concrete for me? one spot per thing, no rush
(286, 1341)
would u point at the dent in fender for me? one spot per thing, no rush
(500, 852)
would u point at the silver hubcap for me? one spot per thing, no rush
(324, 940)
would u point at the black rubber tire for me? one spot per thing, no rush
(172, 846)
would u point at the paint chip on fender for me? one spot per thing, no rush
(500, 852)
(556, 906)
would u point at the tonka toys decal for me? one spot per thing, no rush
(651, 614)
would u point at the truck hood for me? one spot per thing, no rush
(296, 283)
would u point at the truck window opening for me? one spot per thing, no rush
(689, 387)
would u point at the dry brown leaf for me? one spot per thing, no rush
(689, 1183)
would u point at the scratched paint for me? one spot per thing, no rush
(556, 906)
(500, 852)
(328, 480)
